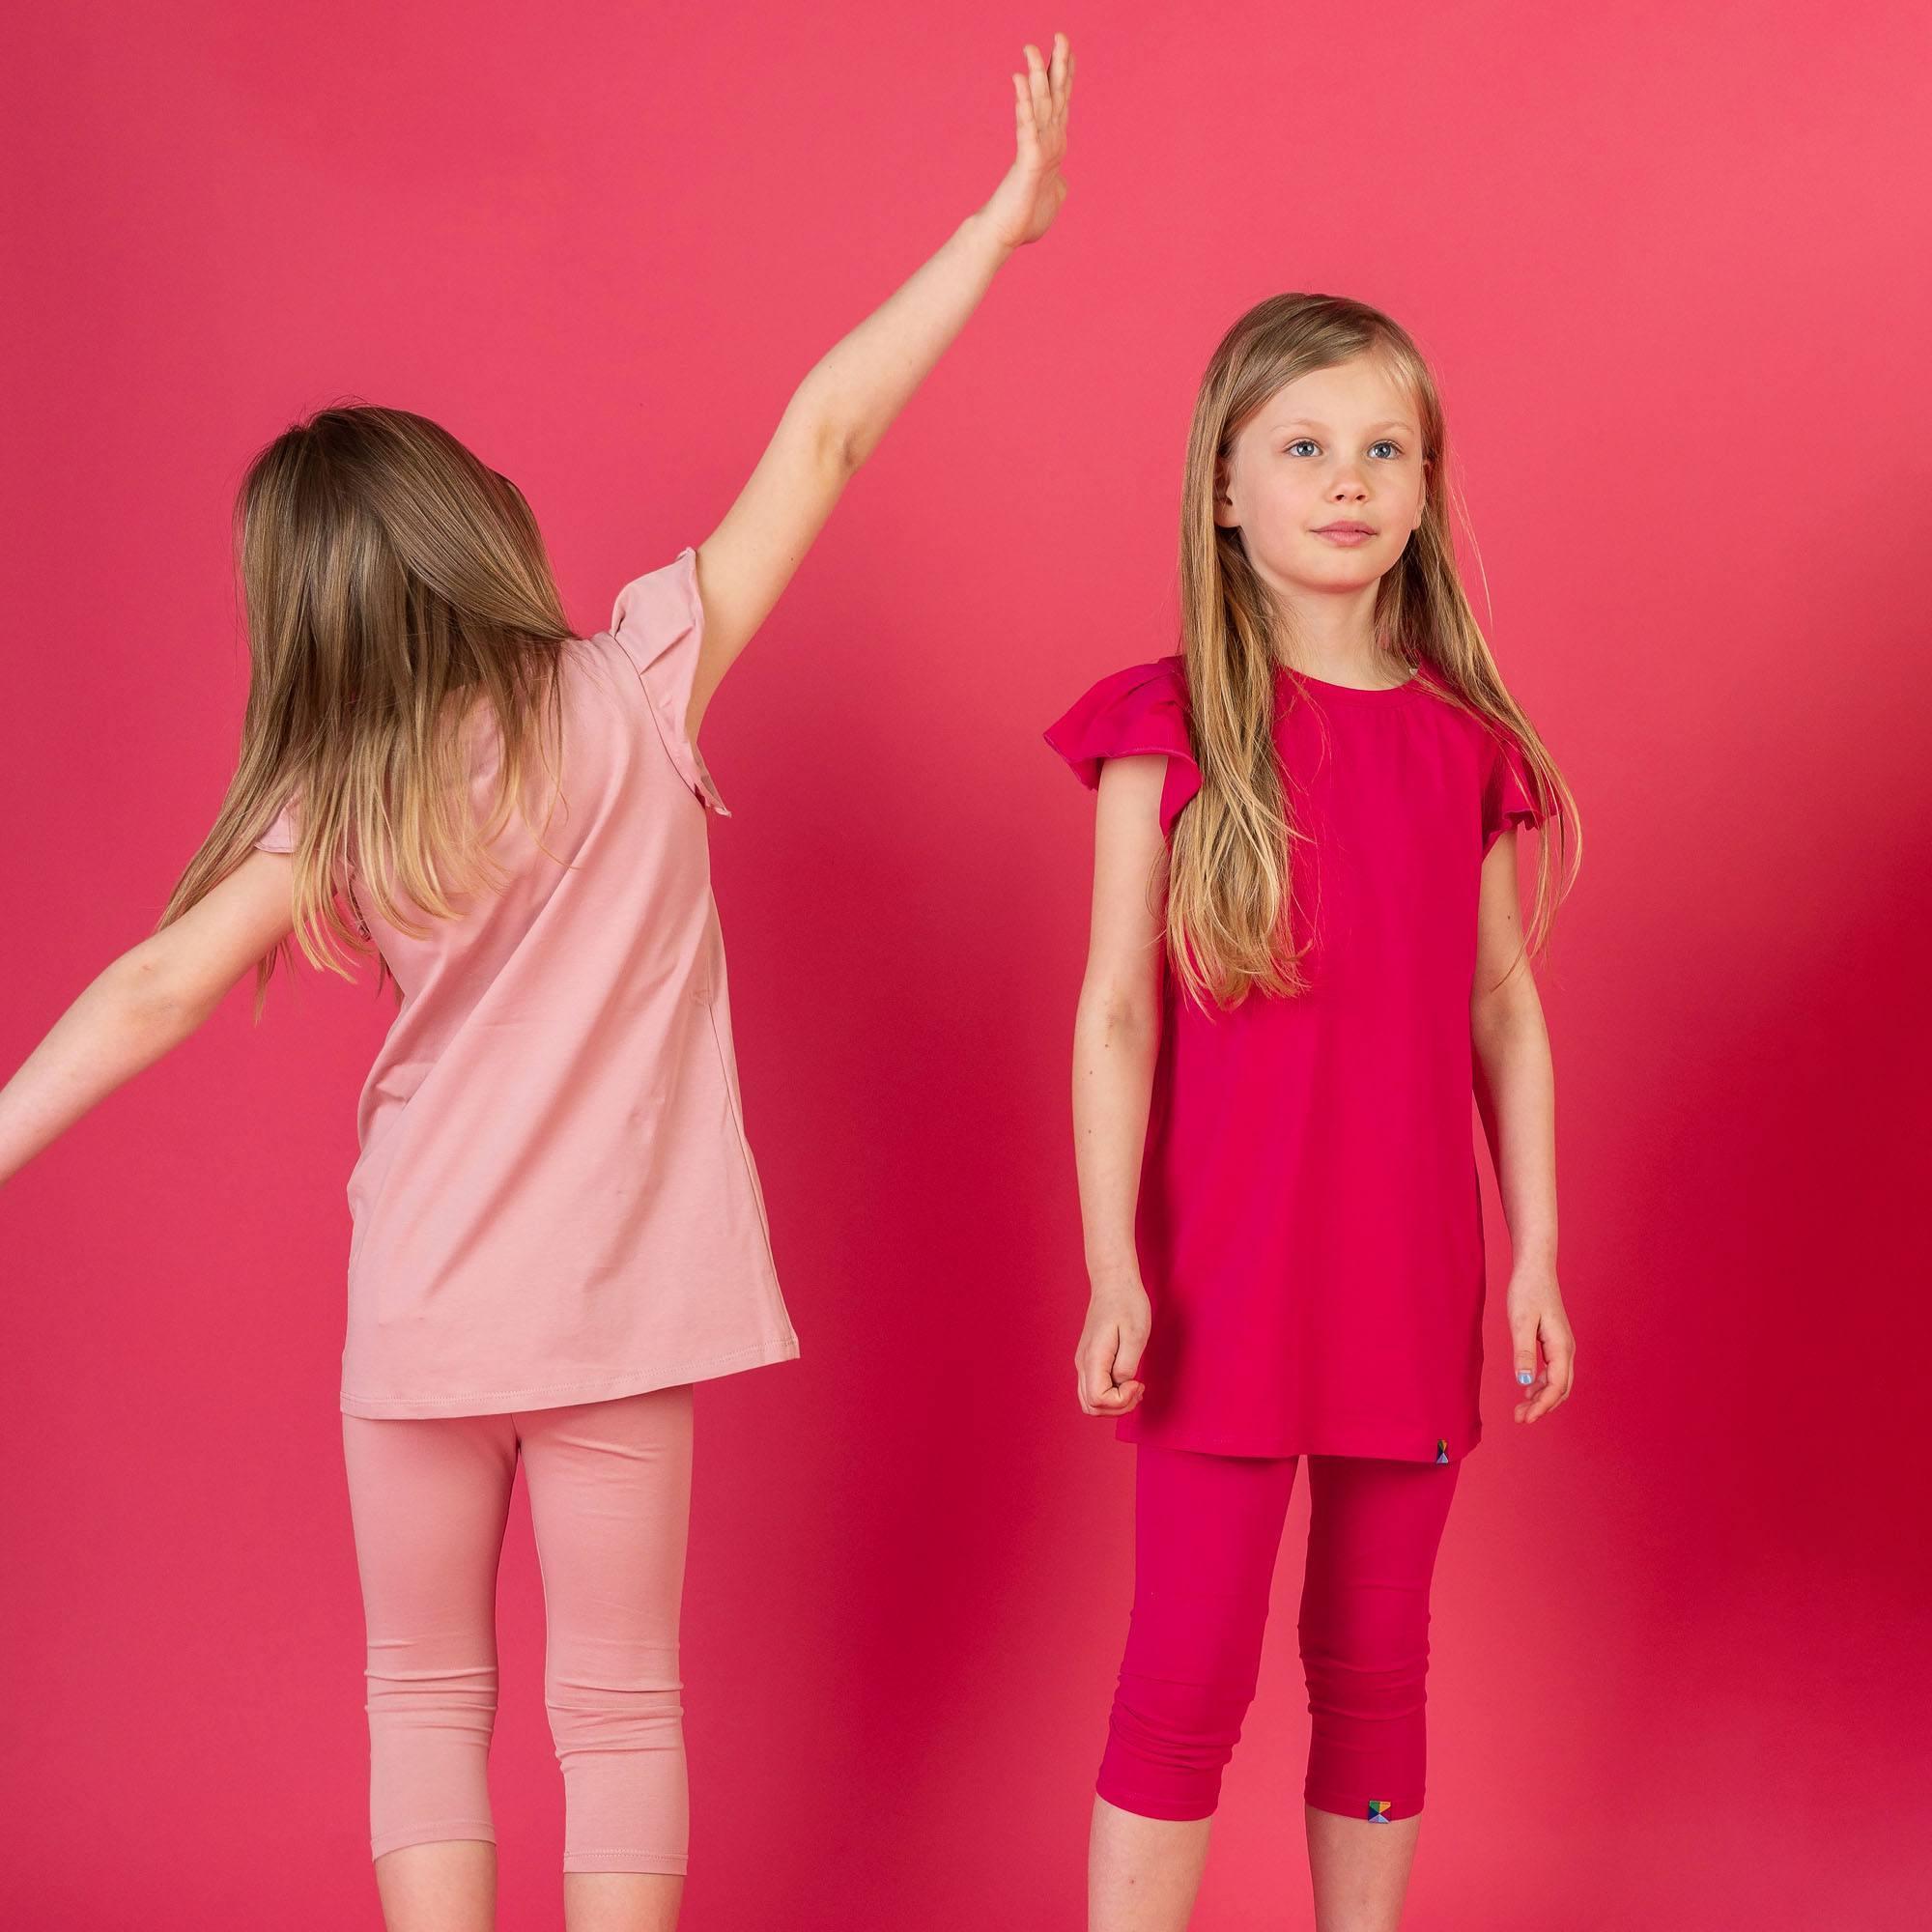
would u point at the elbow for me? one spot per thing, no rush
(839, 441)
(151, 998)
(848, 448)
(1116, 1013)
(1499, 1013)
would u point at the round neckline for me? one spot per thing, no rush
(1408, 683)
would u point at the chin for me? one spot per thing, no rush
(1354, 575)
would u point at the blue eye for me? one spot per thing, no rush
(1308, 443)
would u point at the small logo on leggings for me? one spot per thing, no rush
(1378, 1809)
(1442, 1450)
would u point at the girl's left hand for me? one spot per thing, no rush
(1023, 206)
(1535, 1307)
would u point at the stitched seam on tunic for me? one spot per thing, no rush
(744, 1143)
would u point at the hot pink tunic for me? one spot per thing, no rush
(555, 1199)
(1309, 1223)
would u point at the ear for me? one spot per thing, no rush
(1224, 510)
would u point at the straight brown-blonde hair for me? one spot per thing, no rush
(396, 592)
(1230, 874)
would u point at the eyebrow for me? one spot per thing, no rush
(1309, 422)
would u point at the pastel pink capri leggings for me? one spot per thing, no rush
(609, 1491)
(1207, 1529)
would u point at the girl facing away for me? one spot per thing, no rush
(557, 1225)
(1306, 948)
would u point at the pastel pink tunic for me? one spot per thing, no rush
(1309, 1223)
(554, 1201)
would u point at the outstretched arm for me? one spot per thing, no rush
(847, 399)
(147, 1001)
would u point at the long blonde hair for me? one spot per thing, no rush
(392, 583)
(1229, 875)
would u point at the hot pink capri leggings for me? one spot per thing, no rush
(1205, 1532)
(609, 1490)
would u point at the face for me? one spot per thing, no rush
(1326, 480)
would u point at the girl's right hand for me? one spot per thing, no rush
(1023, 206)
(1117, 1320)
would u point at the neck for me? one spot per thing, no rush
(1331, 635)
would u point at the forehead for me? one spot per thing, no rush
(1360, 393)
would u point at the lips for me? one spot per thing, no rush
(1345, 530)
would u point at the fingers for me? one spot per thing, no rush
(1038, 87)
(1112, 1401)
(1525, 1339)
(1550, 1387)
(1046, 87)
(1560, 1379)
(1100, 1394)
(1102, 1386)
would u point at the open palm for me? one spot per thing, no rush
(1023, 206)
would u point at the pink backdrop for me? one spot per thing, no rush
(1676, 294)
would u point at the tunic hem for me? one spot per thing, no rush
(567, 1394)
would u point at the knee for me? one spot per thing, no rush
(1360, 1675)
(412, 1692)
(640, 1707)
(1169, 1741)
(1341, 1687)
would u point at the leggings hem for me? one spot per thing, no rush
(1174, 1811)
(453, 1832)
(1346, 1805)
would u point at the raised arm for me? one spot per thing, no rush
(146, 1002)
(847, 399)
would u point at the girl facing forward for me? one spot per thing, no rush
(558, 1226)
(1305, 949)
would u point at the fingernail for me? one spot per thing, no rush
(1525, 1376)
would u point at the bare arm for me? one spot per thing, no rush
(847, 399)
(1116, 1038)
(147, 1001)
(1516, 1096)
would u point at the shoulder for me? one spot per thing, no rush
(657, 624)
(658, 615)
(1512, 792)
(1140, 708)
(1484, 737)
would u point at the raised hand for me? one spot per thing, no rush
(1023, 206)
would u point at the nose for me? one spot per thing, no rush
(1347, 486)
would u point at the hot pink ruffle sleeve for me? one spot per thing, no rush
(1142, 709)
(1508, 796)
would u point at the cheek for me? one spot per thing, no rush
(1288, 493)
